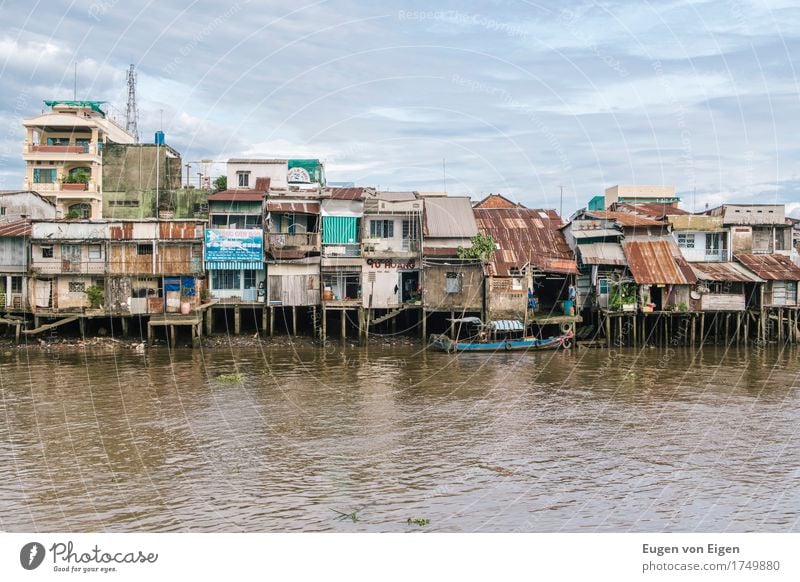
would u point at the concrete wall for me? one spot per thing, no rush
(505, 299)
(633, 191)
(275, 170)
(18, 204)
(129, 179)
(470, 296)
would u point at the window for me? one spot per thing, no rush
(84, 143)
(686, 241)
(144, 249)
(77, 287)
(81, 210)
(58, 141)
(603, 286)
(249, 279)
(452, 283)
(381, 228)
(124, 203)
(44, 175)
(95, 252)
(225, 279)
(2, 210)
(16, 284)
(516, 284)
(244, 179)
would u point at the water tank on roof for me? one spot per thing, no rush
(159, 139)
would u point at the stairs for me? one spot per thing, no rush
(389, 315)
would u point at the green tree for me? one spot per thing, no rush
(483, 247)
(220, 183)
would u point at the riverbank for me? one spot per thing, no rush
(207, 342)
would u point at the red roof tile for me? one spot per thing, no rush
(15, 228)
(497, 201)
(237, 196)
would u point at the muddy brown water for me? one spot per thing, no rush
(291, 437)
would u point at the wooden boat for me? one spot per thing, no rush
(501, 335)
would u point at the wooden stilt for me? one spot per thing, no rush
(82, 325)
(172, 336)
(125, 324)
(294, 320)
(738, 327)
(18, 331)
(727, 328)
(264, 319)
(324, 323)
(452, 324)
(271, 321)
(634, 330)
(424, 324)
(694, 326)
(150, 337)
(608, 331)
(702, 329)
(209, 321)
(237, 320)
(344, 323)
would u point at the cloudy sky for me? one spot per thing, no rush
(517, 97)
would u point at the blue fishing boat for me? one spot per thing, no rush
(499, 335)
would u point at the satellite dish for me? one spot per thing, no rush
(694, 294)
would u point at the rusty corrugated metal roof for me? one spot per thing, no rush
(344, 193)
(237, 196)
(654, 210)
(303, 207)
(526, 237)
(657, 262)
(624, 218)
(449, 217)
(770, 267)
(15, 228)
(602, 253)
(724, 272)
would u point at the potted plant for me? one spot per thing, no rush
(77, 180)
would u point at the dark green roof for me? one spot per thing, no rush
(95, 105)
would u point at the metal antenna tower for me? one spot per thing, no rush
(132, 114)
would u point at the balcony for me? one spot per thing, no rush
(51, 188)
(342, 250)
(81, 152)
(715, 255)
(379, 248)
(307, 241)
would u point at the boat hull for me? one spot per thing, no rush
(445, 344)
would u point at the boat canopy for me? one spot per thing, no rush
(472, 320)
(506, 325)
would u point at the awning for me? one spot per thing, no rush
(472, 320)
(506, 325)
(303, 207)
(602, 254)
(234, 265)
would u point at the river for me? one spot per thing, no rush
(290, 437)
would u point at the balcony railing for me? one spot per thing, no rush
(285, 240)
(342, 250)
(47, 187)
(389, 247)
(715, 255)
(87, 148)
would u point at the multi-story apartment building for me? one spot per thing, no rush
(63, 152)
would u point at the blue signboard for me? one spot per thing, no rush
(234, 245)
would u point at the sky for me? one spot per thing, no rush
(524, 99)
